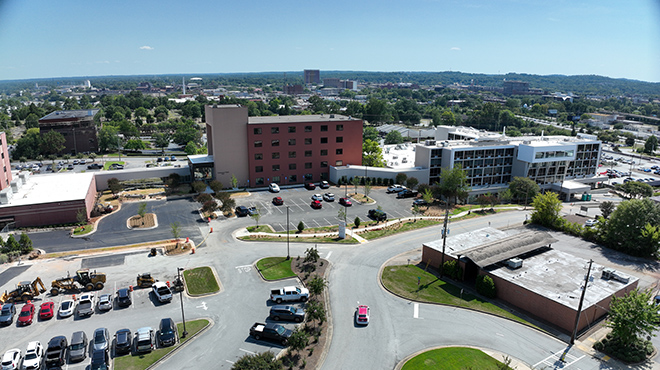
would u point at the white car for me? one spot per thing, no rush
(317, 197)
(396, 188)
(274, 188)
(105, 302)
(33, 355)
(590, 223)
(11, 359)
(162, 292)
(329, 197)
(66, 308)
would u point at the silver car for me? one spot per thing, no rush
(101, 339)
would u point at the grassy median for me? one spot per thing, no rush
(453, 358)
(275, 268)
(201, 280)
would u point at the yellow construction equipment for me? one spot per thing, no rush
(84, 279)
(145, 280)
(25, 291)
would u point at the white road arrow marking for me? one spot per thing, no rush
(203, 306)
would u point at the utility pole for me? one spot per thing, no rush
(288, 257)
(579, 310)
(445, 231)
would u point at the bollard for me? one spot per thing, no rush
(130, 288)
(187, 240)
(211, 231)
(193, 250)
(74, 297)
(168, 284)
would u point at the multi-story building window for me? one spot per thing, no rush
(276, 167)
(260, 181)
(308, 153)
(257, 131)
(274, 130)
(275, 143)
(309, 177)
(324, 128)
(292, 141)
(292, 129)
(339, 151)
(275, 155)
(339, 163)
(308, 128)
(308, 141)
(339, 139)
(292, 154)
(258, 156)
(276, 179)
(324, 140)
(259, 169)
(292, 166)
(324, 164)
(324, 152)
(293, 178)
(340, 127)
(308, 165)
(258, 144)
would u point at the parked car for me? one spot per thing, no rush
(94, 166)
(11, 359)
(278, 201)
(396, 188)
(317, 197)
(69, 167)
(420, 202)
(101, 339)
(26, 315)
(47, 310)
(590, 223)
(273, 187)
(167, 335)
(274, 332)
(378, 214)
(242, 211)
(100, 360)
(316, 204)
(162, 292)
(105, 302)
(407, 193)
(56, 351)
(66, 308)
(288, 313)
(362, 315)
(329, 197)
(123, 341)
(173, 158)
(310, 186)
(346, 202)
(144, 340)
(324, 185)
(253, 211)
(7, 314)
(78, 346)
(123, 297)
(34, 354)
(85, 306)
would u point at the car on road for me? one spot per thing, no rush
(116, 166)
(378, 214)
(26, 315)
(76, 162)
(329, 197)
(78, 346)
(310, 186)
(278, 201)
(362, 315)
(101, 339)
(34, 354)
(105, 302)
(242, 211)
(7, 314)
(162, 292)
(324, 185)
(95, 166)
(123, 297)
(317, 197)
(590, 223)
(287, 313)
(11, 359)
(316, 204)
(420, 202)
(47, 310)
(167, 333)
(346, 202)
(66, 308)
(253, 211)
(144, 340)
(274, 188)
(123, 341)
(396, 188)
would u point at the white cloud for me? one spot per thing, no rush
(455, 48)
(145, 47)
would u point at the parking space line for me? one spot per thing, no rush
(245, 350)
(328, 256)
(416, 311)
(317, 223)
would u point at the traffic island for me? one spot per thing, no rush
(200, 281)
(458, 358)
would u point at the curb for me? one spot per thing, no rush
(515, 363)
(189, 340)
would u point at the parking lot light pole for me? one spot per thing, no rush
(288, 257)
(183, 316)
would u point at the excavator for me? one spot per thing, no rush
(25, 291)
(84, 279)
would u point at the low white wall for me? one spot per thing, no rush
(102, 177)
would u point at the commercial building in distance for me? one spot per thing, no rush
(77, 127)
(277, 149)
(312, 76)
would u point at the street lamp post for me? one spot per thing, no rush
(183, 316)
(288, 256)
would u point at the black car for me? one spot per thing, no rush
(56, 351)
(289, 313)
(94, 166)
(407, 193)
(420, 202)
(123, 341)
(377, 214)
(100, 360)
(242, 211)
(7, 314)
(166, 333)
(123, 297)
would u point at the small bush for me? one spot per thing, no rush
(486, 286)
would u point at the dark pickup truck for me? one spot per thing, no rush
(273, 332)
(407, 193)
(56, 352)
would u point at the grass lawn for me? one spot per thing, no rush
(107, 164)
(260, 229)
(201, 280)
(402, 280)
(274, 268)
(81, 230)
(398, 228)
(452, 358)
(143, 361)
(293, 239)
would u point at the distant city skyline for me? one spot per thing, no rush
(69, 38)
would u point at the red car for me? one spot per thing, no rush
(46, 310)
(316, 204)
(26, 315)
(278, 201)
(346, 202)
(310, 186)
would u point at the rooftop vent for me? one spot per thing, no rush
(514, 263)
(429, 142)
(611, 274)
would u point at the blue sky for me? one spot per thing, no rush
(46, 38)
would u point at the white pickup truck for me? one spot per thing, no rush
(289, 293)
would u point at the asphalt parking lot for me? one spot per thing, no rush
(298, 201)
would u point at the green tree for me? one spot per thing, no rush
(367, 187)
(228, 203)
(81, 216)
(546, 209)
(447, 118)
(427, 195)
(400, 178)
(32, 121)
(357, 221)
(311, 255)
(176, 231)
(258, 361)
(393, 137)
(191, 148)
(11, 245)
(412, 182)
(256, 216)
(161, 141)
(114, 185)
(453, 183)
(632, 318)
(135, 144)
(198, 186)
(142, 210)
(606, 208)
(108, 138)
(372, 154)
(523, 188)
(376, 111)
(635, 189)
(215, 185)
(52, 142)
(298, 339)
(355, 181)
(622, 231)
(651, 144)
(317, 285)
(301, 226)
(315, 310)
(370, 133)
(630, 141)
(25, 243)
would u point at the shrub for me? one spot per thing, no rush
(453, 270)
(203, 198)
(357, 221)
(486, 286)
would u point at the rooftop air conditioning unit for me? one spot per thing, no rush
(514, 263)
(429, 142)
